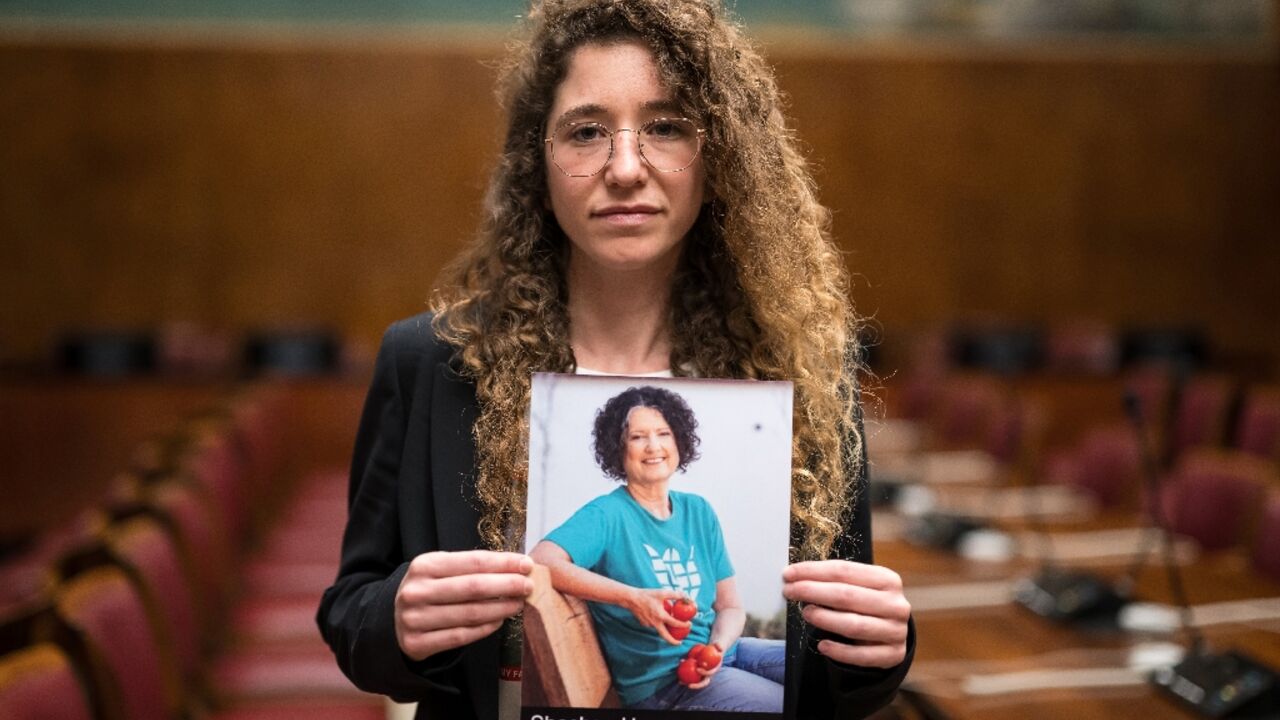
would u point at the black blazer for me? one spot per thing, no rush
(412, 491)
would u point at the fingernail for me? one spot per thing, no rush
(526, 564)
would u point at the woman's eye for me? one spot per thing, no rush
(666, 130)
(586, 133)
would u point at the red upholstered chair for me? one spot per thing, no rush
(1203, 411)
(1107, 464)
(39, 683)
(965, 411)
(1266, 542)
(1152, 385)
(128, 672)
(213, 463)
(1258, 427)
(1214, 497)
(149, 551)
(202, 545)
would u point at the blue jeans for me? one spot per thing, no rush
(750, 681)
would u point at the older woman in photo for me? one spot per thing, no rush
(631, 551)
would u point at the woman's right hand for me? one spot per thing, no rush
(449, 599)
(646, 605)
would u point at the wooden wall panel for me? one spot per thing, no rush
(243, 184)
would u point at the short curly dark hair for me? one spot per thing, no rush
(611, 422)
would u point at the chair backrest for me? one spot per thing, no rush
(202, 546)
(1215, 498)
(1111, 464)
(213, 464)
(1266, 542)
(1258, 427)
(144, 546)
(39, 683)
(1203, 410)
(108, 614)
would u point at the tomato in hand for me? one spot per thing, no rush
(687, 672)
(707, 656)
(682, 609)
(678, 632)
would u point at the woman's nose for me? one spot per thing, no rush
(627, 166)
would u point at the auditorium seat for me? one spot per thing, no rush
(127, 668)
(212, 463)
(1266, 542)
(965, 410)
(39, 683)
(1258, 426)
(1107, 464)
(1204, 408)
(145, 547)
(202, 546)
(1214, 497)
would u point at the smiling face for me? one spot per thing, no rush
(650, 454)
(628, 216)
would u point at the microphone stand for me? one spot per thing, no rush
(1064, 595)
(1213, 685)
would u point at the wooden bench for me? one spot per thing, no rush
(562, 665)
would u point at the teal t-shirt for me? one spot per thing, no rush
(614, 536)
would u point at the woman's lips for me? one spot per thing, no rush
(626, 215)
(626, 219)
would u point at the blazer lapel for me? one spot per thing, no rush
(452, 471)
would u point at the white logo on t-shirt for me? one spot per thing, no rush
(673, 574)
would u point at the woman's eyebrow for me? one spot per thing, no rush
(589, 109)
(579, 111)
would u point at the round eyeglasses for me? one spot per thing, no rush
(582, 149)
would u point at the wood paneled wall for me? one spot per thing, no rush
(243, 183)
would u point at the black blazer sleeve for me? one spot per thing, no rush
(825, 688)
(356, 614)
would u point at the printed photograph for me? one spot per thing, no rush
(658, 519)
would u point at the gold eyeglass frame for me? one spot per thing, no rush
(702, 134)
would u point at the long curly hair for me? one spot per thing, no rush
(610, 429)
(761, 291)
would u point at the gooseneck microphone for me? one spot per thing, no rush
(1213, 685)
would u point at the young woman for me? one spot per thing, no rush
(650, 214)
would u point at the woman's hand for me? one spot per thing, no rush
(646, 605)
(860, 603)
(706, 674)
(449, 599)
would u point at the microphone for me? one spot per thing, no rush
(1213, 685)
(1064, 595)
(1070, 596)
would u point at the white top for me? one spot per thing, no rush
(657, 374)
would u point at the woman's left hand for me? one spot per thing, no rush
(862, 604)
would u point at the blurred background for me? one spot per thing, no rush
(210, 211)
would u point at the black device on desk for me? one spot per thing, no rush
(941, 530)
(1070, 596)
(1221, 685)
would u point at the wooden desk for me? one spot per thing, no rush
(960, 649)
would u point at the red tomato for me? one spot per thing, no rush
(678, 632)
(708, 656)
(693, 652)
(681, 609)
(687, 672)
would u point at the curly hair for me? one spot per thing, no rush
(612, 420)
(761, 291)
